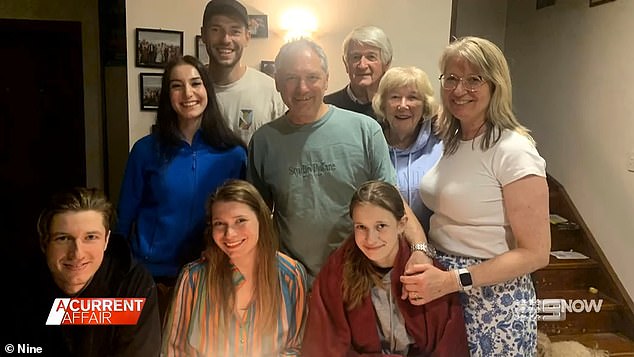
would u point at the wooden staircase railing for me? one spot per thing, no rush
(611, 328)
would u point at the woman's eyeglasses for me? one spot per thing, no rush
(470, 83)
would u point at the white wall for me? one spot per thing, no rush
(574, 87)
(418, 29)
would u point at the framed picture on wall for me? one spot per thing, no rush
(154, 48)
(150, 90)
(258, 26)
(268, 67)
(201, 51)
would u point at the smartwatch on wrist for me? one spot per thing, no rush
(464, 279)
(426, 248)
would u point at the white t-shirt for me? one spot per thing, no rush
(249, 103)
(465, 192)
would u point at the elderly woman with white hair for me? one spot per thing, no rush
(405, 107)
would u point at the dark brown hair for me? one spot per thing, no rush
(213, 126)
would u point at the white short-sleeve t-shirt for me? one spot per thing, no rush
(465, 192)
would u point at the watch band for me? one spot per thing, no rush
(464, 279)
(426, 248)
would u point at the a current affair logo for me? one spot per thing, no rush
(95, 311)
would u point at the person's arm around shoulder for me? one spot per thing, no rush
(526, 206)
(415, 234)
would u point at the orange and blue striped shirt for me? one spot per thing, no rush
(192, 316)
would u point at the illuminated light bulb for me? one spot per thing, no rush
(298, 23)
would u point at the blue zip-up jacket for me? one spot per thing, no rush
(162, 203)
(412, 164)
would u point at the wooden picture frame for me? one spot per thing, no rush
(201, 50)
(258, 26)
(155, 47)
(149, 90)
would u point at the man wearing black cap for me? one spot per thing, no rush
(247, 97)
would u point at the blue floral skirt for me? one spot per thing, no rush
(493, 326)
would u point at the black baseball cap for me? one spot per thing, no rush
(225, 7)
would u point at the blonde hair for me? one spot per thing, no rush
(220, 278)
(491, 64)
(398, 77)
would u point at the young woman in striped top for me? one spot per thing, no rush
(243, 298)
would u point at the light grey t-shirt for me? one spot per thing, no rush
(249, 103)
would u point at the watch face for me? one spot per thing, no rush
(465, 279)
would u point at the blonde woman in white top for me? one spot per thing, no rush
(490, 201)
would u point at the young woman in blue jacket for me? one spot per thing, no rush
(171, 172)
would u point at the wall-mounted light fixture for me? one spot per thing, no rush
(298, 23)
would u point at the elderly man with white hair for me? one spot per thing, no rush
(367, 54)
